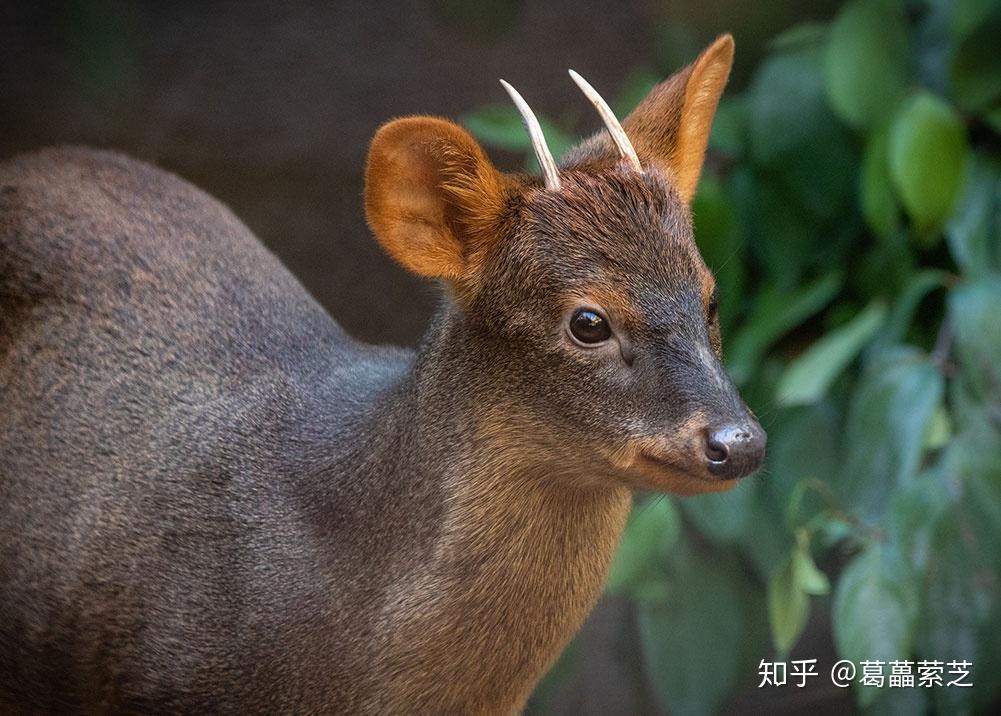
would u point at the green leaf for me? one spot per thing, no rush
(928, 154)
(961, 617)
(788, 606)
(867, 66)
(810, 579)
(974, 309)
(939, 430)
(774, 315)
(808, 377)
(804, 449)
(879, 203)
(723, 516)
(810, 155)
(975, 70)
(652, 529)
(884, 434)
(875, 609)
(681, 639)
(974, 231)
(971, 466)
(919, 285)
(789, 587)
(915, 513)
(786, 105)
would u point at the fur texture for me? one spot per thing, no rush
(213, 500)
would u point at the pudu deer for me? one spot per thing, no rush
(213, 500)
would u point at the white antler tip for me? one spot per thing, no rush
(550, 173)
(615, 130)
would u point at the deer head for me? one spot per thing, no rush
(583, 301)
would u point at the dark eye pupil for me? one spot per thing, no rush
(589, 327)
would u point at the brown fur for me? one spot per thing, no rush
(212, 500)
(431, 195)
(493, 590)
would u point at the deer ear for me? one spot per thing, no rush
(432, 198)
(671, 125)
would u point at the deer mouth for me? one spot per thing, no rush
(666, 473)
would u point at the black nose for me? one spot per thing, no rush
(734, 451)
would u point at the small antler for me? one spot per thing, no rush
(615, 130)
(545, 157)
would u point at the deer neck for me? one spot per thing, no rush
(521, 556)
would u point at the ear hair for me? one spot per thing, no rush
(706, 79)
(432, 198)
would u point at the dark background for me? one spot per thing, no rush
(269, 106)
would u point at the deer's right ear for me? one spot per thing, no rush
(432, 198)
(671, 125)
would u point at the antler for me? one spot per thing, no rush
(615, 130)
(545, 157)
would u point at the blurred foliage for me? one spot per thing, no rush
(851, 209)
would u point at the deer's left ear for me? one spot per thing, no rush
(671, 125)
(432, 197)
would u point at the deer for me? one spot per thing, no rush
(212, 499)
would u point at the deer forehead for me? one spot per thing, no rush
(617, 227)
(613, 198)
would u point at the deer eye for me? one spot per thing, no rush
(588, 327)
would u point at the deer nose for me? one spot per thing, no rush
(735, 450)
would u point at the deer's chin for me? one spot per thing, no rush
(649, 472)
